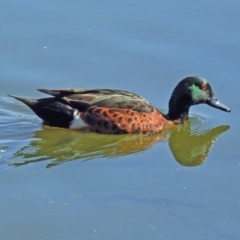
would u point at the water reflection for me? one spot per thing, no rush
(189, 146)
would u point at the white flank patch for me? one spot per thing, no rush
(77, 122)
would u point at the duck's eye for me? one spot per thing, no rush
(203, 86)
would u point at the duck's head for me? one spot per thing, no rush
(191, 91)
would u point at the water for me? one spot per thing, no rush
(61, 184)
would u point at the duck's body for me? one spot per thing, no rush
(115, 111)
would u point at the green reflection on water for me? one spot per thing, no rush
(189, 147)
(65, 145)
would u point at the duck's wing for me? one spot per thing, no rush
(81, 99)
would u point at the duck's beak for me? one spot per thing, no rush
(213, 102)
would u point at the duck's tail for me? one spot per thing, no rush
(29, 102)
(52, 111)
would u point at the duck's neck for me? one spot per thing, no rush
(178, 110)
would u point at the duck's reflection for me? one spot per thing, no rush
(189, 147)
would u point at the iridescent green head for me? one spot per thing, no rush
(200, 90)
(191, 91)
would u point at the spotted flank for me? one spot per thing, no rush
(117, 120)
(112, 111)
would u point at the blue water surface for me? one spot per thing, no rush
(57, 192)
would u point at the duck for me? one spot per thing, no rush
(111, 111)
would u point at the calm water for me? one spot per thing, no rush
(180, 184)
